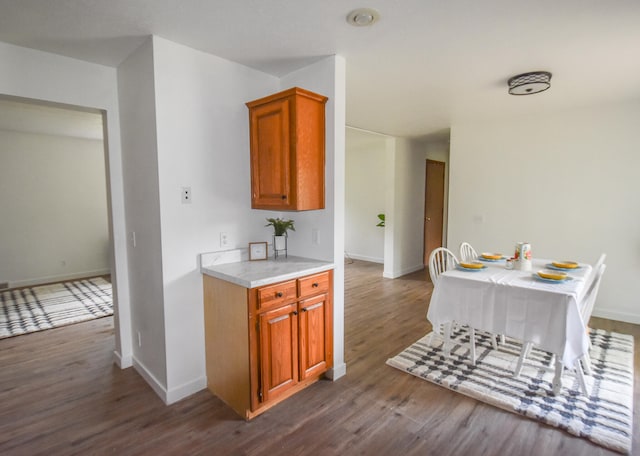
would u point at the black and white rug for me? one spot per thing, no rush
(604, 418)
(34, 309)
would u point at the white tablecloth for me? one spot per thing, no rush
(516, 304)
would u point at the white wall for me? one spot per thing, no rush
(54, 208)
(405, 209)
(567, 182)
(387, 174)
(140, 170)
(366, 189)
(203, 143)
(42, 76)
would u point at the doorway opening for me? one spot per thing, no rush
(53, 192)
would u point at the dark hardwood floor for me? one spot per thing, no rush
(61, 394)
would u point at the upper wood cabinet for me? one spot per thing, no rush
(287, 151)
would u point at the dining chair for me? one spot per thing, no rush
(596, 267)
(586, 309)
(441, 260)
(467, 252)
(582, 365)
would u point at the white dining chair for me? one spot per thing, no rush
(583, 365)
(441, 260)
(586, 309)
(596, 268)
(467, 252)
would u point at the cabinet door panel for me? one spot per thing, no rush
(271, 154)
(278, 351)
(314, 344)
(288, 150)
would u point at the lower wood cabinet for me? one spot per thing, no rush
(278, 361)
(265, 344)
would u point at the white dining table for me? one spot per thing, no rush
(516, 304)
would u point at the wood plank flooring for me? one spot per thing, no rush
(60, 394)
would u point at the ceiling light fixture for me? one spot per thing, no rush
(362, 17)
(529, 83)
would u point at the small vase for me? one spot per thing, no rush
(279, 245)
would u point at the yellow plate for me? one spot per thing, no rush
(553, 275)
(474, 265)
(565, 264)
(492, 256)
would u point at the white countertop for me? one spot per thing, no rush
(251, 274)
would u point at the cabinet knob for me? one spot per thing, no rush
(304, 309)
(295, 312)
(279, 294)
(284, 197)
(314, 285)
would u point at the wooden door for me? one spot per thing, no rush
(278, 351)
(433, 207)
(315, 336)
(270, 155)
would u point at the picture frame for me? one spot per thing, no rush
(258, 251)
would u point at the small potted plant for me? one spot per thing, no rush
(280, 228)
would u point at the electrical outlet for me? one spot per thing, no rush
(224, 240)
(139, 339)
(315, 236)
(186, 195)
(133, 238)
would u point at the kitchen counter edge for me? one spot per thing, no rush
(252, 274)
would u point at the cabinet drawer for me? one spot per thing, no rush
(278, 294)
(314, 284)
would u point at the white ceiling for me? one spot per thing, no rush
(424, 66)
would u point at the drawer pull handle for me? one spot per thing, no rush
(284, 197)
(314, 285)
(279, 294)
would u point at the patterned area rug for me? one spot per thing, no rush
(604, 418)
(34, 309)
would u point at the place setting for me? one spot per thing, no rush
(557, 271)
(479, 263)
(491, 257)
(471, 266)
(552, 276)
(564, 265)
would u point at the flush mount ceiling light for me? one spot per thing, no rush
(362, 17)
(529, 83)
